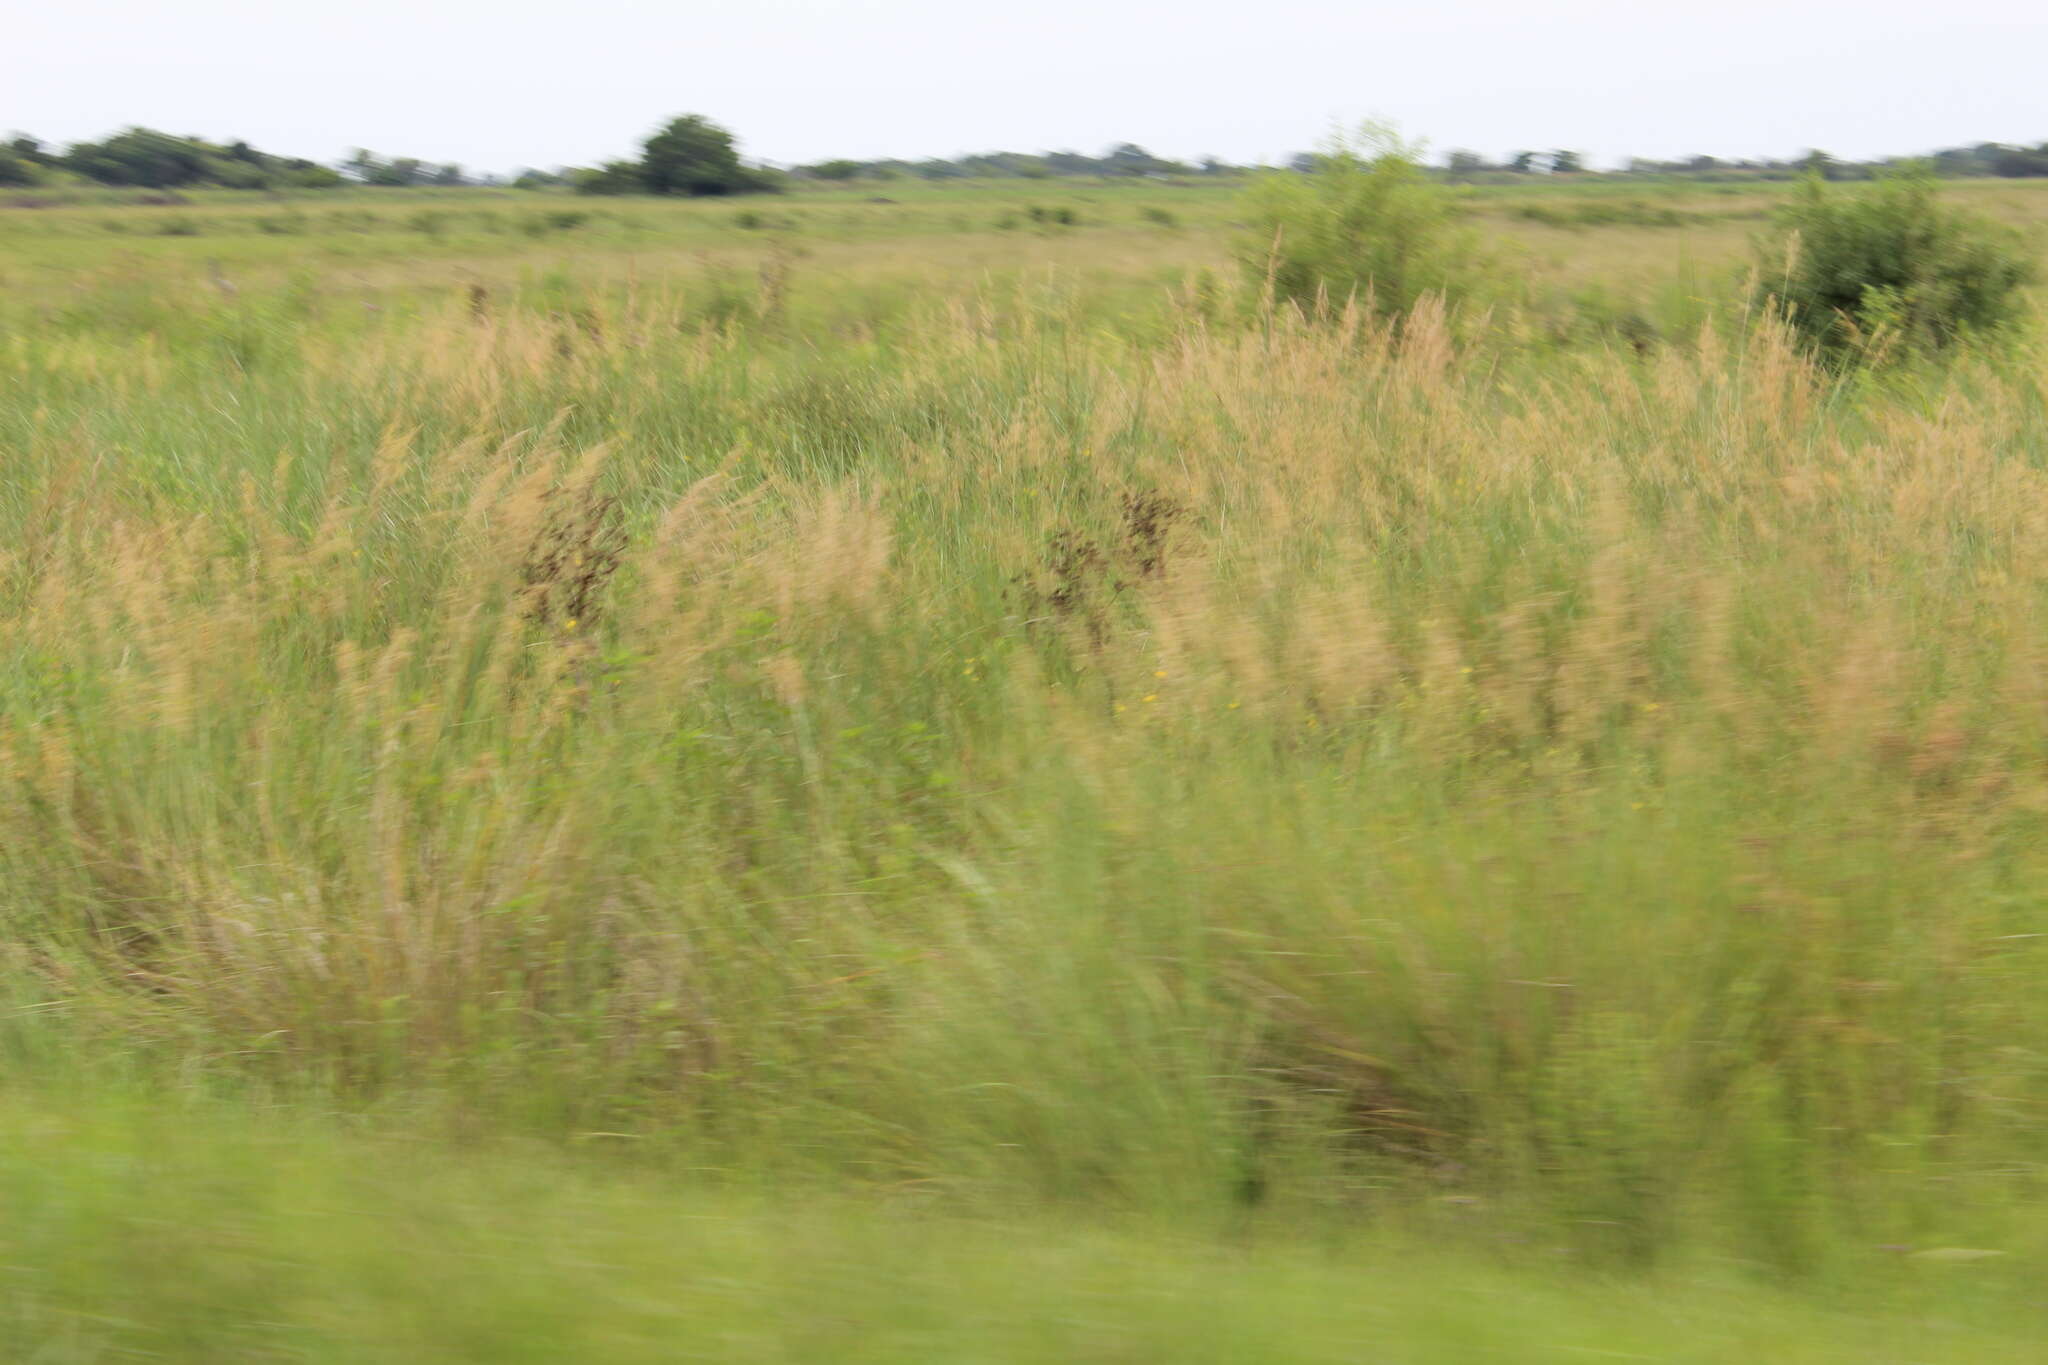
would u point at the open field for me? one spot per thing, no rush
(1047, 809)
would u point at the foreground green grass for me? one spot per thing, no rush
(217, 1235)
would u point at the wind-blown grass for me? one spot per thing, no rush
(934, 739)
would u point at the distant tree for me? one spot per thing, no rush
(1464, 165)
(1523, 163)
(307, 175)
(17, 170)
(1817, 162)
(148, 158)
(2020, 161)
(1305, 163)
(142, 156)
(1566, 163)
(613, 177)
(234, 173)
(692, 155)
(1978, 160)
(400, 172)
(1128, 158)
(835, 170)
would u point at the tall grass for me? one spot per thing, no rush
(1180, 767)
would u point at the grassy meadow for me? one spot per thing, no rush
(821, 779)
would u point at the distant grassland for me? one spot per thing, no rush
(1652, 248)
(889, 703)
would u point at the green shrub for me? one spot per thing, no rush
(17, 170)
(1367, 221)
(1888, 271)
(567, 220)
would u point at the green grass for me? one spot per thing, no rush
(179, 1234)
(977, 793)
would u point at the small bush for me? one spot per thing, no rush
(563, 220)
(1165, 218)
(1366, 221)
(1888, 271)
(1059, 215)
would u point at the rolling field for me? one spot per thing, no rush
(809, 778)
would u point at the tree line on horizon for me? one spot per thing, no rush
(693, 156)
(1993, 159)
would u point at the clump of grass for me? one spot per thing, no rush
(575, 553)
(1079, 578)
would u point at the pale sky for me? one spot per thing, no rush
(498, 84)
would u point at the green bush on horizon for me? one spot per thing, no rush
(1887, 271)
